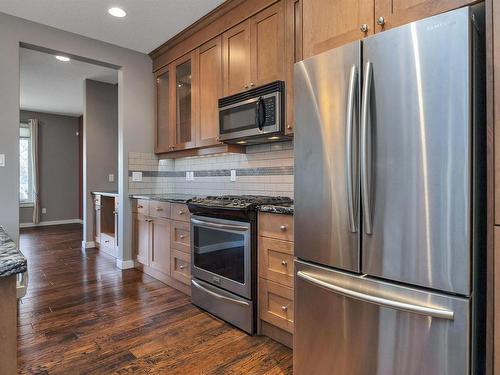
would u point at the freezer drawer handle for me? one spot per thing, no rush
(218, 296)
(351, 99)
(397, 305)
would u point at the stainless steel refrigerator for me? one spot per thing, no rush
(390, 202)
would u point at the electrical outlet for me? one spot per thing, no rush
(137, 176)
(191, 176)
(2, 160)
(44, 210)
(111, 177)
(233, 175)
(187, 176)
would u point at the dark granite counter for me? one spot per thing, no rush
(173, 198)
(277, 209)
(106, 193)
(12, 261)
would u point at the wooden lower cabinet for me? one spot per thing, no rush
(276, 274)
(8, 325)
(162, 245)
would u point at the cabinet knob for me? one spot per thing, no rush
(364, 28)
(182, 267)
(182, 236)
(284, 263)
(381, 21)
(139, 206)
(284, 308)
(159, 209)
(289, 127)
(283, 228)
(181, 212)
(252, 84)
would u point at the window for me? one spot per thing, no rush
(25, 165)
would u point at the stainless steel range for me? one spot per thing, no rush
(224, 255)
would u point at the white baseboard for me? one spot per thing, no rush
(125, 264)
(88, 244)
(47, 223)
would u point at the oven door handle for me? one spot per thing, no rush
(219, 226)
(219, 296)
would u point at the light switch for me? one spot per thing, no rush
(2, 160)
(137, 176)
(111, 177)
(233, 175)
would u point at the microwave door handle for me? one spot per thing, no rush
(261, 113)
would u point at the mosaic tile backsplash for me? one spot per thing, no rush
(264, 169)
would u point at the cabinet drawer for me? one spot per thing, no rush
(180, 237)
(179, 212)
(276, 226)
(159, 209)
(180, 266)
(142, 207)
(276, 260)
(276, 304)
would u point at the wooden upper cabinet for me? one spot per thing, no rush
(392, 13)
(236, 58)
(210, 90)
(162, 111)
(184, 88)
(267, 40)
(328, 24)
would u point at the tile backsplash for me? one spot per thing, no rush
(264, 169)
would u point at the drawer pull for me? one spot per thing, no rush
(284, 308)
(284, 263)
(139, 206)
(159, 209)
(181, 236)
(283, 228)
(181, 267)
(181, 212)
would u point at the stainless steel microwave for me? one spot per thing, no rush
(254, 116)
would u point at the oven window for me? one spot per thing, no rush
(238, 118)
(220, 252)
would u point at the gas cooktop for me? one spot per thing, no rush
(239, 202)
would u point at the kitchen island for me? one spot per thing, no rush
(12, 263)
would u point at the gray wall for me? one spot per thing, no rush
(58, 161)
(100, 143)
(135, 114)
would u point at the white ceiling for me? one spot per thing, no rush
(148, 24)
(48, 85)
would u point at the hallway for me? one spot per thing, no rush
(82, 315)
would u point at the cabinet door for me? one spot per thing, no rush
(142, 236)
(236, 58)
(328, 24)
(268, 45)
(210, 90)
(392, 13)
(163, 131)
(97, 219)
(184, 88)
(160, 245)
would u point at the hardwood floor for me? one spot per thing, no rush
(82, 315)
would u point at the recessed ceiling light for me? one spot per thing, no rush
(117, 12)
(63, 58)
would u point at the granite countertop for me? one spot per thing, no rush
(12, 261)
(106, 193)
(277, 209)
(173, 198)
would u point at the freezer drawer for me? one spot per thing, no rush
(347, 324)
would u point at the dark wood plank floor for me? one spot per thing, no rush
(82, 315)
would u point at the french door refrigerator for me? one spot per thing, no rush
(389, 202)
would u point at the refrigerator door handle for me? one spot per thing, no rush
(351, 99)
(380, 301)
(366, 151)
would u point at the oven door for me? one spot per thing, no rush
(221, 253)
(251, 117)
